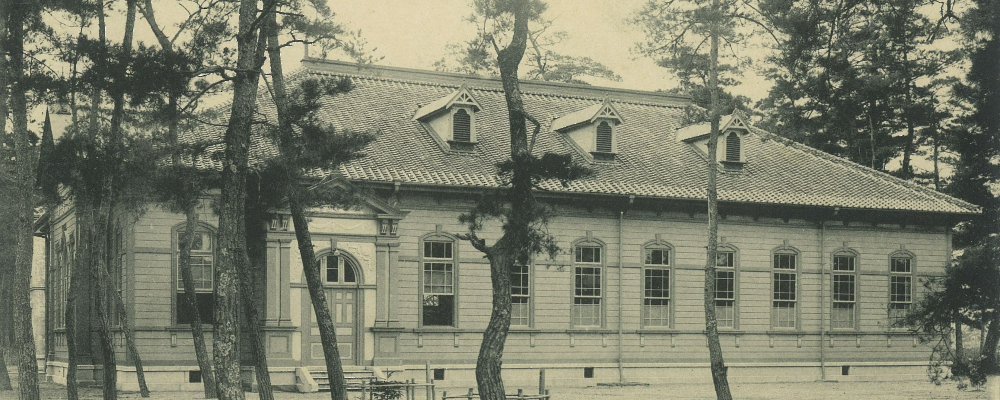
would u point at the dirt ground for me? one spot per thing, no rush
(796, 391)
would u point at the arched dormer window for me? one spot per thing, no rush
(733, 147)
(843, 314)
(461, 126)
(452, 119)
(604, 138)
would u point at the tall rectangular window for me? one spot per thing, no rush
(439, 284)
(900, 290)
(587, 293)
(725, 289)
(842, 316)
(784, 299)
(202, 261)
(520, 296)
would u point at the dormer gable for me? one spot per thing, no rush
(452, 118)
(733, 133)
(593, 129)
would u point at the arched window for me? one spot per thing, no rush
(785, 279)
(588, 268)
(461, 126)
(338, 268)
(900, 287)
(202, 262)
(733, 147)
(844, 291)
(604, 138)
(656, 284)
(438, 284)
(725, 287)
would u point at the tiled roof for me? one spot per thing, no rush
(650, 162)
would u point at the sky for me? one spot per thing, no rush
(416, 33)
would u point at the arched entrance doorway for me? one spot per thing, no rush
(341, 277)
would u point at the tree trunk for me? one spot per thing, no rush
(127, 333)
(959, 359)
(200, 351)
(232, 246)
(255, 334)
(327, 332)
(81, 265)
(99, 248)
(513, 245)
(26, 156)
(718, 365)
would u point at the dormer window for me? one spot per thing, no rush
(592, 129)
(452, 119)
(604, 138)
(730, 150)
(461, 126)
(733, 150)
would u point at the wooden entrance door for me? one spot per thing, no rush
(340, 277)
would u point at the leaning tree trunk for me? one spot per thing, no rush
(327, 332)
(718, 365)
(26, 156)
(204, 364)
(119, 304)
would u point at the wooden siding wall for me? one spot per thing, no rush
(553, 339)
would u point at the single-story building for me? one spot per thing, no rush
(820, 257)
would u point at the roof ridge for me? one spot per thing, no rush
(848, 164)
(669, 99)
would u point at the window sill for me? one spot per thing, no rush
(787, 331)
(656, 330)
(187, 328)
(439, 329)
(843, 331)
(602, 156)
(594, 330)
(461, 146)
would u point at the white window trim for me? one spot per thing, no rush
(736, 285)
(602, 315)
(441, 238)
(658, 245)
(796, 256)
(856, 320)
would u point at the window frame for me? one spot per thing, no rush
(900, 254)
(175, 238)
(611, 126)
(739, 147)
(530, 272)
(796, 273)
(322, 258)
(602, 282)
(438, 237)
(669, 268)
(736, 285)
(855, 273)
(471, 111)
